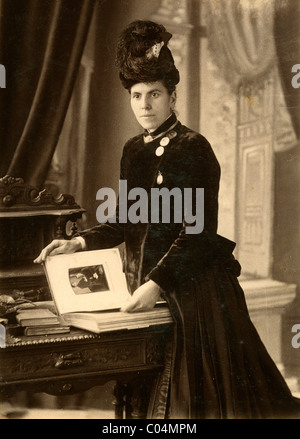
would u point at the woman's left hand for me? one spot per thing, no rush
(144, 298)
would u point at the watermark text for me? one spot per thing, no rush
(296, 78)
(2, 336)
(296, 337)
(187, 206)
(2, 76)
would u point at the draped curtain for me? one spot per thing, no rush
(247, 38)
(240, 37)
(41, 44)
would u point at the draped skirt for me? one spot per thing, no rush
(220, 368)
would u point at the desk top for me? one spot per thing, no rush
(15, 341)
(75, 335)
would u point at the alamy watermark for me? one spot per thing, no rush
(188, 206)
(296, 78)
(2, 336)
(296, 337)
(2, 76)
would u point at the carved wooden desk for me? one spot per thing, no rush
(65, 364)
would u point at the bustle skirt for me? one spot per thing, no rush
(219, 367)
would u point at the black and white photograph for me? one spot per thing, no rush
(87, 280)
(150, 163)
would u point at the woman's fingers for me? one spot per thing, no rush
(136, 304)
(133, 304)
(144, 298)
(129, 306)
(56, 247)
(133, 308)
(47, 250)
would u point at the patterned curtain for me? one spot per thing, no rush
(240, 37)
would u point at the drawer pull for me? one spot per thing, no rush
(66, 361)
(66, 387)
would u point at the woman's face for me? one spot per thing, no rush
(151, 104)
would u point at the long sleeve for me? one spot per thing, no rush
(106, 235)
(103, 236)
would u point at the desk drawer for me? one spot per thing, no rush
(50, 360)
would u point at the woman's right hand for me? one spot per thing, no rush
(58, 246)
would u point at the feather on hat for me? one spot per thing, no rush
(143, 55)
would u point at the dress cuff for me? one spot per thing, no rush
(82, 242)
(160, 276)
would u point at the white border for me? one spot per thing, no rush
(57, 273)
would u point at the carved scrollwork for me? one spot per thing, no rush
(115, 354)
(31, 366)
(91, 358)
(157, 410)
(10, 180)
(16, 194)
(154, 351)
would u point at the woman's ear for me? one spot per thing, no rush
(173, 99)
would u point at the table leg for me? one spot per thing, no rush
(137, 398)
(119, 393)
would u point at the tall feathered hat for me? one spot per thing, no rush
(143, 55)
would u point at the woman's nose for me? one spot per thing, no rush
(145, 103)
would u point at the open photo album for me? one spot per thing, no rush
(87, 281)
(89, 288)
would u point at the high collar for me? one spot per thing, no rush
(163, 127)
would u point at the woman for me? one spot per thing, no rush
(220, 368)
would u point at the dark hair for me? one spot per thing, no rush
(136, 57)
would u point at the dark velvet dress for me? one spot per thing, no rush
(219, 367)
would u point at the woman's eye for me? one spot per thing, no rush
(155, 95)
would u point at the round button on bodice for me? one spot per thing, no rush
(164, 141)
(159, 151)
(172, 134)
